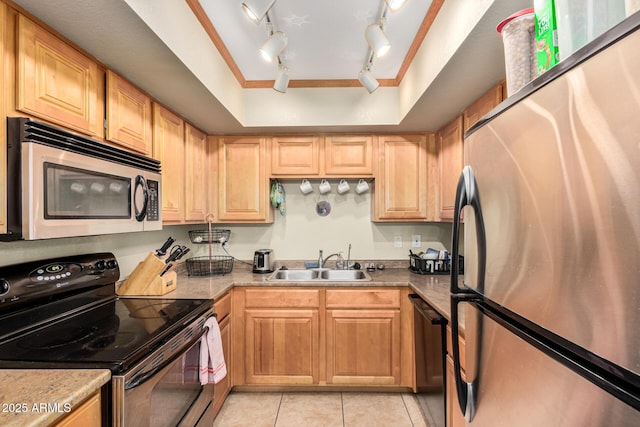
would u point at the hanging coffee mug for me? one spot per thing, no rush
(343, 187)
(362, 186)
(324, 186)
(306, 187)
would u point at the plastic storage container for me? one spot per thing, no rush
(518, 37)
(631, 6)
(580, 21)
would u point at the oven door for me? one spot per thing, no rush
(156, 393)
(68, 194)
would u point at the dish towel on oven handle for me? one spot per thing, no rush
(212, 365)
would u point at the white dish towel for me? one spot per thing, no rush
(212, 365)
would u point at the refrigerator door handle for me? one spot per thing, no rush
(466, 391)
(467, 195)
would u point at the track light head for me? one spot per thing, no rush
(395, 4)
(274, 46)
(377, 40)
(256, 9)
(367, 80)
(282, 80)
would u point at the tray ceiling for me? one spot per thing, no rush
(326, 39)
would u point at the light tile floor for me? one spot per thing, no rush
(320, 409)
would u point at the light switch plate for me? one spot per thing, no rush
(416, 240)
(397, 241)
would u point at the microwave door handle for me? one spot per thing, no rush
(141, 183)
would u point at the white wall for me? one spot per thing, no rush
(296, 236)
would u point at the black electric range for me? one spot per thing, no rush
(64, 312)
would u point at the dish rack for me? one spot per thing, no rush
(214, 263)
(419, 265)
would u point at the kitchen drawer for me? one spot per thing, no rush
(462, 348)
(357, 298)
(284, 298)
(223, 306)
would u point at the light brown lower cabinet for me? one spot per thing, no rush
(322, 336)
(454, 415)
(87, 414)
(222, 306)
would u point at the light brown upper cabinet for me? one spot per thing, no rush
(128, 115)
(450, 153)
(482, 106)
(56, 82)
(168, 147)
(316, 156)
(451, 147)
(243, 180)
(403, 181)
(195, 174)
(346, 155)
(295, 155)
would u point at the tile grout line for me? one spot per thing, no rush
(404, 403)
(275, 422)
(342, 408)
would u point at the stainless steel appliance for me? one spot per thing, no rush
(430, 329)
(63, 313)
(552, 244)
(61, 184)
(263, 261)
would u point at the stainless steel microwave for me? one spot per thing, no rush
(60, 184)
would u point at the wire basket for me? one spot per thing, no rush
(433, 266)
(209, 266)
(209, 236)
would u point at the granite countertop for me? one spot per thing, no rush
(434, 289)
(40, 397)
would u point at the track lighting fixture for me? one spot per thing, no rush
(273, 46)
(378, 41)
(367, 80)
(257, 9)
(282, 80)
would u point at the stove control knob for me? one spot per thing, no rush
(4, 286)
(111, 264)
(101, 265)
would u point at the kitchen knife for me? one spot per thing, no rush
(185, 250)
(166, 269)
(175, 253)
(163, 250)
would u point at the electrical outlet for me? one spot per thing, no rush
(397, 241)
(416, 240)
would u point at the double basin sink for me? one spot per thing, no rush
(319, 274)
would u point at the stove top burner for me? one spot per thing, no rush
(64, 336)
(116, 340)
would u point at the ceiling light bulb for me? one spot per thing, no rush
(256, 9)
(273, 46)
(368, 81)
(377, 40)
(395, 4)
(282, 80)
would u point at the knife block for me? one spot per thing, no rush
(145, 279)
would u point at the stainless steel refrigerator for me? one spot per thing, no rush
(550, 202)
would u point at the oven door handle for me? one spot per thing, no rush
(140, 379)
